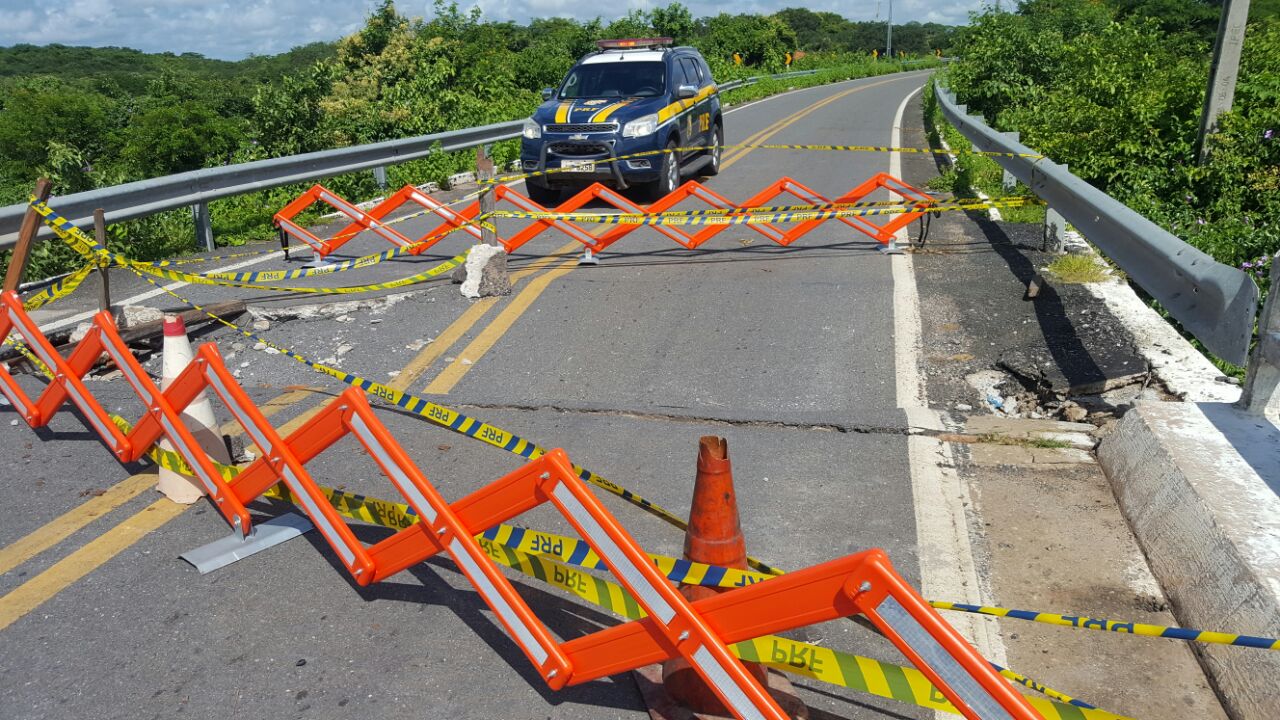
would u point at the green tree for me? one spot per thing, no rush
(178, 137)
(673, 21)
(38, 111)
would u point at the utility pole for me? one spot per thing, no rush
(888, 34)
(1223, 71)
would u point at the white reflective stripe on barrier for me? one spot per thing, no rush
(445, 212)
(296, 231)
(13, 398)
(738, 701)
(263, 444)
(36, 347)
(367, 221)
(613, 555)
(500, 605)
(407, 487)
(940, 661)
(320, 519)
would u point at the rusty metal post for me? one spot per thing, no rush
(104, 265)
(26, 236)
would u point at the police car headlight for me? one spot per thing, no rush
(641, 126)
(532, 130)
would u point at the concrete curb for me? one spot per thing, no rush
(1210, 527)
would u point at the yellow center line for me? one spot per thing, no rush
(65, 525)
(476, 349)
(777, 127)
(454, 372)
(34, 592)
(460, 327)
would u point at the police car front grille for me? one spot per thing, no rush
(566, 149)
(583, 128)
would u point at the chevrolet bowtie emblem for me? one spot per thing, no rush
(578, 137)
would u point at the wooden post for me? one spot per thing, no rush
(104, 273)
(26, 236)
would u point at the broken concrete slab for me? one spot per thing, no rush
(1075, 371)
(486, 272)
(995, 454)
(1209, 523)
(1018, 427)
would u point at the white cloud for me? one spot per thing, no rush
(232, 29)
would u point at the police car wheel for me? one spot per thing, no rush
(670, 179)
(545, 196)
(717, 145)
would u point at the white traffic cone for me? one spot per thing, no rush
(198, 416)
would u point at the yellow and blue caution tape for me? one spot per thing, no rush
(512, 177)
(530, 551)
(59, 289)
(1129, 628)
(75, 237)
(749, 216)
(678, 570)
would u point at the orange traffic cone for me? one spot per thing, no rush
(198, 416)
(714, 537)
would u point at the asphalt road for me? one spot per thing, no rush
(787, 352)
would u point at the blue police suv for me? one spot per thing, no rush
(628, 97)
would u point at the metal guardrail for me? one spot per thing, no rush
(148, 197)
(198, 187)
(1215, 302)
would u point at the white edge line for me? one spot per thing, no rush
(947, 566)
(81, 317)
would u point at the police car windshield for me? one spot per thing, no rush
(615, 79)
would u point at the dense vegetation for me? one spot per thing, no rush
(93, 117)
(1115, 91)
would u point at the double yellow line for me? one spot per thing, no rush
(62, 574)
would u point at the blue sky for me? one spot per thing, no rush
(233, 30)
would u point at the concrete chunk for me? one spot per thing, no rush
(1210, 527)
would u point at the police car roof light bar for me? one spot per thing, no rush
(633, 43)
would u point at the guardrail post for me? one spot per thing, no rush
(1055, 230)
(26, 235)
(1261, 394)
(204, 229)
(1007, 180)
(380, 176)
(104, 272)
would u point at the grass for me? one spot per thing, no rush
(1077, 269)
(1035, 442)
(972, 174)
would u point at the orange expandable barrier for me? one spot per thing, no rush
(698, 631)
(465, 219)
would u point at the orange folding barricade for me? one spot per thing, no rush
(700, 631)
(360, 220)
(464, 220)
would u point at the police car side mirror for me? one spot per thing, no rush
(685, 92)
(548, 93)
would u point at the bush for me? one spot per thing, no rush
(1120, 102)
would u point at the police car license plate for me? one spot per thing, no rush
(578, 165)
